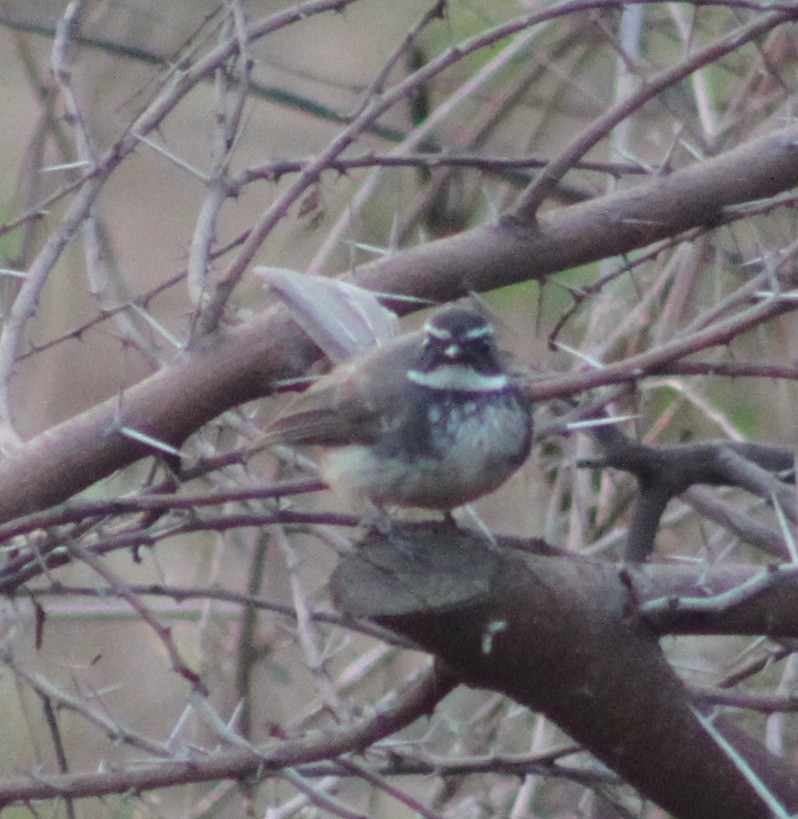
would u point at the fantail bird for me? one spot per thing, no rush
(430, 420)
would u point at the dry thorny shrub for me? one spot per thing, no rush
(153, 154)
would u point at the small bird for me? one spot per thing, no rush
(431, 420)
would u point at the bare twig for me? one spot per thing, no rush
(388, 717)
(530, 200)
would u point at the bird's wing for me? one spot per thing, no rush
(350, 405)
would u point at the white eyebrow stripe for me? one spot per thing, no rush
(437, 332)
(459, 378)
(479, 332)
(443, 334)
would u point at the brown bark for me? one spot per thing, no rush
(240, 364)
(563, 637)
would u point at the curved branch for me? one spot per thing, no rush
(238, 365)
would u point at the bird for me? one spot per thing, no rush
(430, 420)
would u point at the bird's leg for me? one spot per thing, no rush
(377, 520)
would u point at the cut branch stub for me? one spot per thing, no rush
(398, 575)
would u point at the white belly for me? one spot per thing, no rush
(482, 454)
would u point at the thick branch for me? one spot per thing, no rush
(239, 364)
(719, 600)
(562, 637)
(493, 256)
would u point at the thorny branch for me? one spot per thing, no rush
(676, 223)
